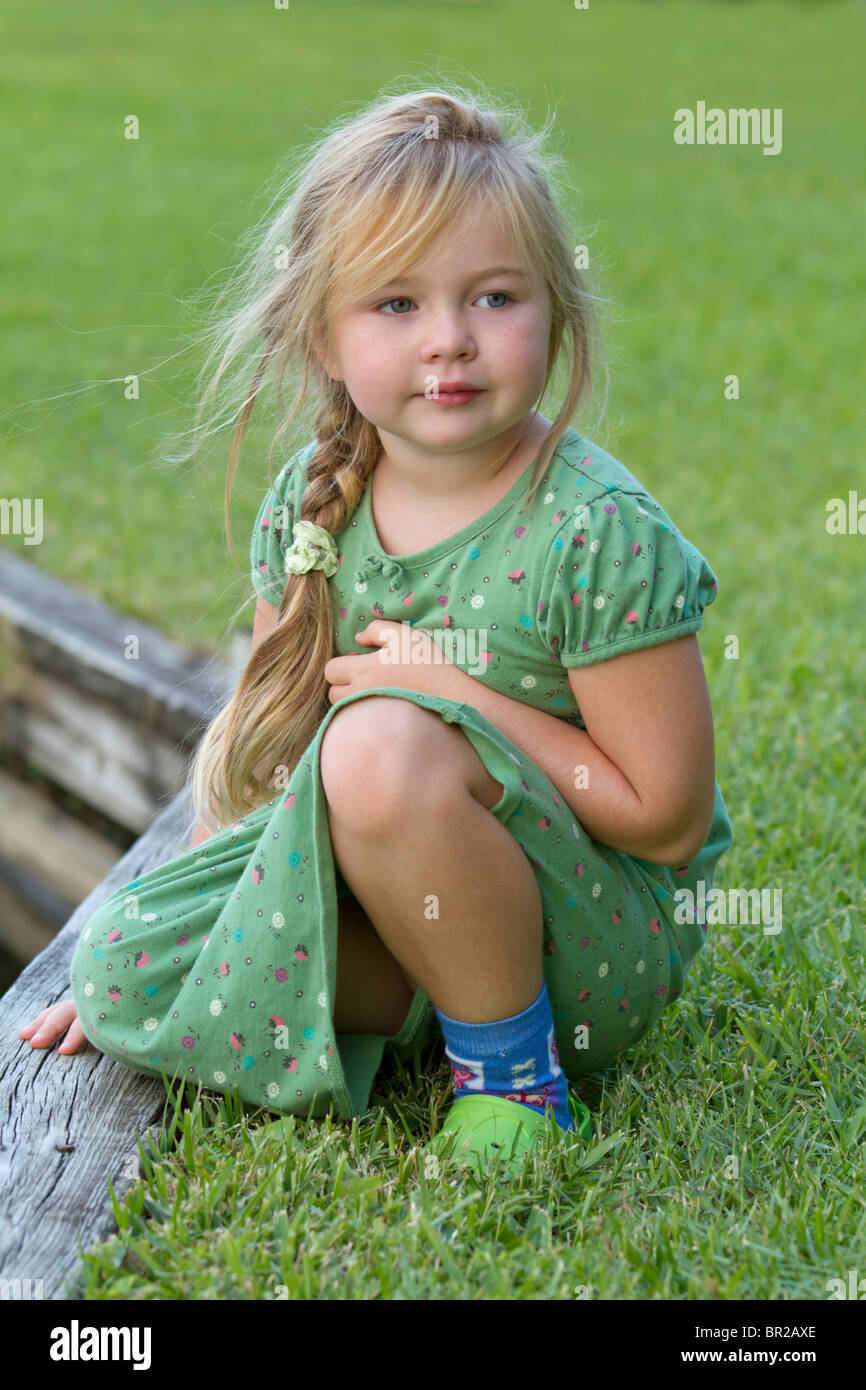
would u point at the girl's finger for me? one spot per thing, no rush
(52, 1021)
(33, 1024)
(74, 1038)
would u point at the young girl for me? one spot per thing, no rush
(474, 683)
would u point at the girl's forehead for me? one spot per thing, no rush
(401, 225)
(459, 249)
(477, 228)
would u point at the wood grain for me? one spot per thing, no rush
(69, 1122)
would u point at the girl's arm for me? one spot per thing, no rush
(265, 621)
(642, 777)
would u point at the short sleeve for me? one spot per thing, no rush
(620, 576)
(271, 537)
(272, 532)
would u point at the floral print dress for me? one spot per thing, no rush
(220, 965)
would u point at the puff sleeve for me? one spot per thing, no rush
(620, 576)
(272, 531)
(272, 535)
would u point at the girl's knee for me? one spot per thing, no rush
(373, 753)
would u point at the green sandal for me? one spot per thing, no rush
(490, 1125)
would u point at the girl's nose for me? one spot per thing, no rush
(446, 335)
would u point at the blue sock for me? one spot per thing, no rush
(515, 1058)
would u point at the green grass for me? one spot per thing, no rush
(719, 261)
(726, 1163)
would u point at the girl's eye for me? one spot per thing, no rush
(491, 294)
(394, 301)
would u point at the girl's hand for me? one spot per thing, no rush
(51, 1023)
(407, 657)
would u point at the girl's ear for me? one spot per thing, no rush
(321, 351)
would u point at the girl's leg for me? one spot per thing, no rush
(373, 995)
(449, 891)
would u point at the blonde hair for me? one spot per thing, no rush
(368, 198)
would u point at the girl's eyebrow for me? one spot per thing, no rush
(512, 270)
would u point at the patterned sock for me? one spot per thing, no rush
(515, 1058)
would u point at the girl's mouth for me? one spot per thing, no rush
(453, 397)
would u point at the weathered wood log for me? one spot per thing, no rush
(103, 704)
(68, 1122)
(47, 844)
(26, 926)
(110, 709)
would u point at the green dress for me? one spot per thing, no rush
(220, 965)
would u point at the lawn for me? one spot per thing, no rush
(727, 1156)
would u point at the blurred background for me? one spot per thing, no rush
(716, 261)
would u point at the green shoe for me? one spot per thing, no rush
(491, 1125)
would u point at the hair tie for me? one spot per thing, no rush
(313, 549)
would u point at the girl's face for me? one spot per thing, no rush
(469, 311)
